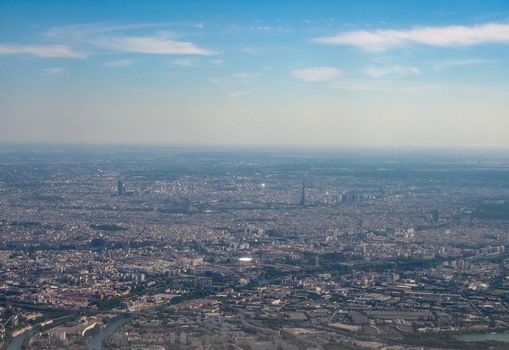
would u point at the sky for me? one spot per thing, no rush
(308, 73)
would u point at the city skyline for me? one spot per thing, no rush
(351, 73)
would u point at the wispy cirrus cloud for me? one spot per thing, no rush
(46, 51)
(188, 62)
(145, 38)
(152, 45)
(121, 63)
(317, 74)
(444, 36)
(399, 71)
(53, 71)
(439, 66)
(238, 84)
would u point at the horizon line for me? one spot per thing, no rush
(289, 146)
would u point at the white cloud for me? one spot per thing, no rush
(189, 62)
(152, 45)
(121, 63)
(446, 36)
(119, 38)
(84, 33)
(400, 71)
(316, 74)
(54, 71)
(439, 66)
(47, 51)
(127, 38)
(416, 88)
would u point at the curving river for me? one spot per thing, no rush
(96, 342)
(17, 342)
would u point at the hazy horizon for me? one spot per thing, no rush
(302, 149)
(236, 73)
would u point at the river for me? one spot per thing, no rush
(480, 337)
(17, 342)
(96, 342)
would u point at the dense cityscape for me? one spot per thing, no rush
(175, 248)
(254, 175)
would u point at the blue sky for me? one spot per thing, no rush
(336, 73)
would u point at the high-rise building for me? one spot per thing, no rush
(302, 202)
(120, 187)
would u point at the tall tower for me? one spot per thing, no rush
(435, 215)
(302, 202)
(120, 187)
